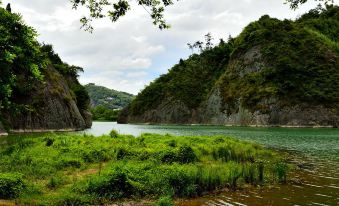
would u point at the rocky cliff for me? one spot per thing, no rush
(38, 91)
(52, 107)
(278, 73)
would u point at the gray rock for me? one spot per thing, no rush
(53, 108)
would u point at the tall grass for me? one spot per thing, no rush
(73, 169)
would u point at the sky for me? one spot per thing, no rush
(129, 54)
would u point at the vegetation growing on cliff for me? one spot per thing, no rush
(298, 67)
(289, 62)
(27, 67)
(189, 81)
(21, 60)
(74, 169)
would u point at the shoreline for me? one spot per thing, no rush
(235, 125)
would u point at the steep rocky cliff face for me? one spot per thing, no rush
(279, 73)
(52, 106)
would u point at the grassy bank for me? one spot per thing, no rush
(73, 169)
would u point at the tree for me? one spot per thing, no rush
(8, 7)
(294, 4)
(114, 9)
(208, 39)
(20, 56)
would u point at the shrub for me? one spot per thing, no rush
(11, 185)
(281, 171)
(164, 201)
(122, 153)
(172, 143)
(186, 155)
(96, 155)
(71, 199)
(63, 163)
(111, 186)
(55, 182)
(114, 134)
(168, 156)
(49, 142)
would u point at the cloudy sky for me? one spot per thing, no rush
(129, 54)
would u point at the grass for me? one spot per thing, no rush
(74, 169)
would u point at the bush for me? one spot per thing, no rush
(114, 134)
(55, 182)
(164, 201)
(168, 156)
(71, 199)
(186, 155)
(111, 186)
(63, 163)
(96, 155)
(11, 185)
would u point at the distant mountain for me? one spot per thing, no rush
(108, 98)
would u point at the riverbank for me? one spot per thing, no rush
(59, 169)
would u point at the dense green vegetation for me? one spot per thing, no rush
(26, 67)
(106, 103)
(21, 60)
(189, 81)
(109, 98)
(74, 169)
(299, 66)
(101, 113)
(297, 63)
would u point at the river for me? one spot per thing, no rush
(317, 149)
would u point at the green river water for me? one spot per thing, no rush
(315, 150)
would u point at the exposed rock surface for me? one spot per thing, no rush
(53, 108)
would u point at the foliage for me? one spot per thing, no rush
(85, 170)
(189, 81)
(114, 134)
(101, 113)
(297, 64)
(21, 60)
(294, 4)
(298, 70)
(11, 185)
(164, 201)
(109, 98)
(107, 103)
(24, 72)
(116, 9)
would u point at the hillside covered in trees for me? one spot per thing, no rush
(38, 91)
(107, 103)
(110, 98)
(276, 72)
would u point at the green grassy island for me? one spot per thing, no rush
(80, 169)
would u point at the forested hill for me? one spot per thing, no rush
(109, 98)
(38, 91)
(276, 72)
